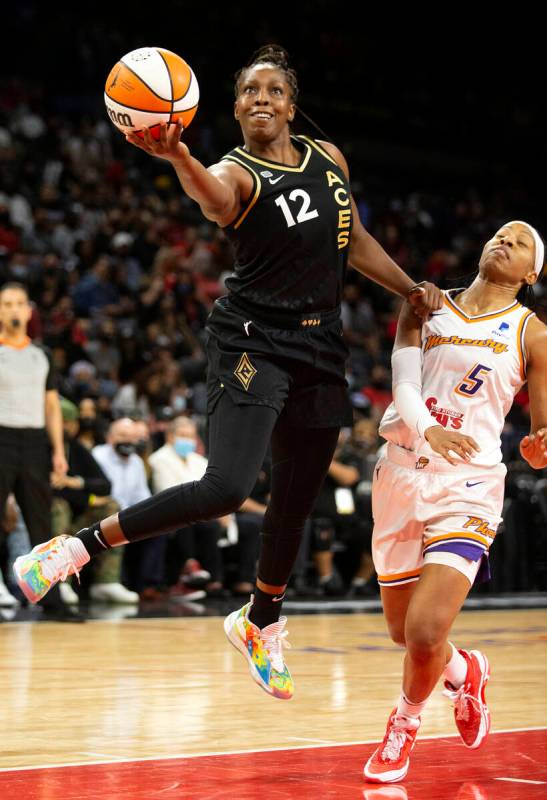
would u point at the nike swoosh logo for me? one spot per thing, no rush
(272, 181)
(98, 538)
(437, 314)
(469, 485)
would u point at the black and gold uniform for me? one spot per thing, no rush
(276, 359)
(276, 339)
(291, 240)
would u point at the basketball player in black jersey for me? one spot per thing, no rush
(276, 353)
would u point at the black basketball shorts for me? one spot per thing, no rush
(298, 371)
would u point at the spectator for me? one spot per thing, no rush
(144, 561)
(337, 524)
(8, 525)
(92, 428)
(86, 491)
(177, 462)
(94, 292)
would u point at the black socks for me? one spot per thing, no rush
(93, 540)
(266, 608)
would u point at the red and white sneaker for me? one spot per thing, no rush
(470, 709)
(389, 762)
(194, 575)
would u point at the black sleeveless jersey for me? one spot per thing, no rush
(291, 239)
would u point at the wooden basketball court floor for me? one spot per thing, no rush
(165, 708)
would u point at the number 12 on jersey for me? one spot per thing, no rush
(472, 383)
(304, 214)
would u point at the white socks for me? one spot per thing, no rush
(407, 709)
(455, 671)
(77, 550)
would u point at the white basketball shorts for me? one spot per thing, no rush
(429, 511)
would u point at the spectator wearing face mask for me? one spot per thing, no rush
(143, 445)
(118, 458)
(92, 427)
(178, 462)
(81, 497)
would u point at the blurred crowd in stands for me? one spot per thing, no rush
(122, 270)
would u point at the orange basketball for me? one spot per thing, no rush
(148, 86)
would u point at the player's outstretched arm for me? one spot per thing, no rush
(533, 447)
(370, 259)
(215, 189)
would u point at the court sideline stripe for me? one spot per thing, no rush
(181, 756)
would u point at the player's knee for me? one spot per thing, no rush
(231, 497)
(424, 639)
(234, 497)
(220, 494)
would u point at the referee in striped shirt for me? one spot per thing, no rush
(31, 424)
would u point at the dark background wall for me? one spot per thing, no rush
(436, 100)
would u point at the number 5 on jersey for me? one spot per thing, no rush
(472, 383)
(304, 214)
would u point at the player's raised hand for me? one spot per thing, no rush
(450, 444)
(425, 297)
(533, 449)
(168, 146)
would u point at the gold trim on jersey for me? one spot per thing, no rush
(485, 540)
(520, 342)
(483, 317)
(319, 149)
(273, 164)
(258, 186)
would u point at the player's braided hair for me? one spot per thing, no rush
(271, 54)
(278, 56)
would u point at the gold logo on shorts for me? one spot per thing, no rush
(245, 371)
(422, 462)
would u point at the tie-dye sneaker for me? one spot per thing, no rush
(47, 564)
(263, 649)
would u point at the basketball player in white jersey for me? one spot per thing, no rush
(438, 490)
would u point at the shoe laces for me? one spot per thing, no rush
(463, 701)
(274, 639)
(400, 731)
(62, 564)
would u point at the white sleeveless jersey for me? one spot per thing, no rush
(472, 369)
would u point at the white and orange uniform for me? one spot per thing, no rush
(426, 510)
